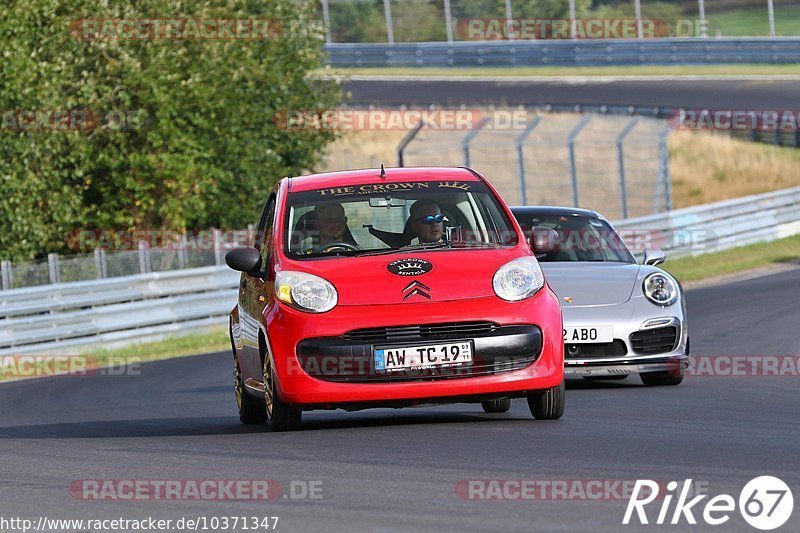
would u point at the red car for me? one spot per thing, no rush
(393, 288)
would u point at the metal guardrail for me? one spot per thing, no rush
(721, 225)
(600, 52)
(126, 309)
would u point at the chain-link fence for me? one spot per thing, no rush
(617, 165)
(100, 263)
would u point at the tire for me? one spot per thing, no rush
(496, 406)
(251, 411)
(549, 404)
(280, 415)
(667, 378)
(601, 378)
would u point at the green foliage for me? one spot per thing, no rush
(204, 147)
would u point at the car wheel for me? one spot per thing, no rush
(280, 415)
(665, 378)
(496, 406)
(251, 411)
(549, 404)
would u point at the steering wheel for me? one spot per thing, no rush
(339, 244)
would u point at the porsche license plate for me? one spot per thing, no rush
(392, 359)
(588, 334)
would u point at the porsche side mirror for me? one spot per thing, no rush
(245, 259)
(654, 257)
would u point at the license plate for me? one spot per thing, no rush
(588, 334)
(392, 359)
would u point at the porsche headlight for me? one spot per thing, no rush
(304, 291)
(660, 289)
(518, 279)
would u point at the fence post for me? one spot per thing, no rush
(52, 265)
(100, 262)
(401, 148)
(219, 257)
(387, 13)
(7, 270)
(573, 170)
(144, 258)
(468, 139)
(182, 256)
(621, 164)
(663, 169)
(326, 20)
(448, 21)
(520, 140)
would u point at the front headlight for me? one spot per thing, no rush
(518, 279)
(660, 289)
(304, 291)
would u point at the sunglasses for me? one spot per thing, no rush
(432, 219)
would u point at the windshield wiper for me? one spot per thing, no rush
(410, 248)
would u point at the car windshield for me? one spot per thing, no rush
(580, 238)
(377, 218)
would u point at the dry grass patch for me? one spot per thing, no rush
(710, 167)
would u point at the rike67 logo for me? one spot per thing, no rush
(765, 503)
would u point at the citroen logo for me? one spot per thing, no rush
(414, 288)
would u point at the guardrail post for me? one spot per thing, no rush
(100, 262)
(7, 271)
(520, 140)
(621, 164)
(573, 169)
(144, 258)
(219, 257)
(401, 148)
(468, 139)
(52, 265)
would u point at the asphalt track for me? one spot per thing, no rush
(386, 470)
(736, 94)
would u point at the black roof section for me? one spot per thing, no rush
(552, 210)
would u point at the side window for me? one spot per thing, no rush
(263, 235)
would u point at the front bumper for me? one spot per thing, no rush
(646, 339)
(528, 356)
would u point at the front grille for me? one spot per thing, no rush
(595, 350)
(654, 341)
(350, 357)
(414, 333)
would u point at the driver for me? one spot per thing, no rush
(330, 222)
(427, 222)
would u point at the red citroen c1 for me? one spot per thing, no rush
(391, 288)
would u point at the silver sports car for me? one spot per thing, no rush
(620, 317)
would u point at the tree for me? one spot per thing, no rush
(200, 142)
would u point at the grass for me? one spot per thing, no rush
(735, 260)
(171, 347)
(709, 167)
(754, 22)
(634, 70)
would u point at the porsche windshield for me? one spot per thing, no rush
(580, 238)
(372, 219)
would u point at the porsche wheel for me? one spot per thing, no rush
(549, 404)
(496, 406)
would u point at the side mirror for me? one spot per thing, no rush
(245, 259)
(654, 257)
(543, 240)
